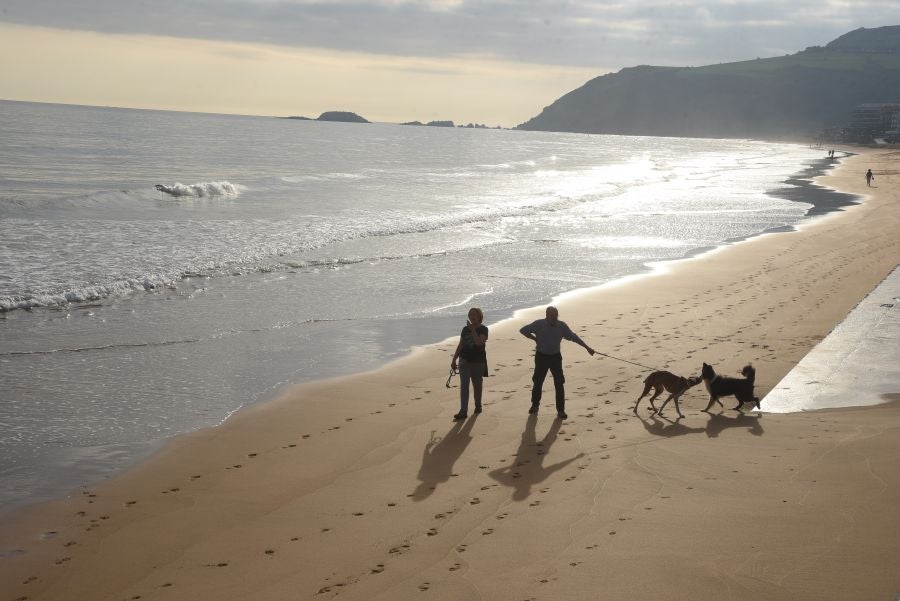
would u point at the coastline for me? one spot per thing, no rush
(49, 470)
(364, 492)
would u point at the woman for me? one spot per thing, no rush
(472, 361)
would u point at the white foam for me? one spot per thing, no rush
(201, 189)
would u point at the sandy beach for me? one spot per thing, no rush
(363, 488)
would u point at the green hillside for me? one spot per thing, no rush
(781, 97)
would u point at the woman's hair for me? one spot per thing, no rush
(477, 312)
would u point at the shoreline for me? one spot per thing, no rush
(826, 201)
(359, 513)
(101, 462)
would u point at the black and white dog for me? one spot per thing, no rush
(719, 386)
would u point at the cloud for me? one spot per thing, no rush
(551, 32)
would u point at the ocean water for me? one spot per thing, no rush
(160, 270)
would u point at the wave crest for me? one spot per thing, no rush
(200, 189)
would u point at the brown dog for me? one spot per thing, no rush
(675, 385)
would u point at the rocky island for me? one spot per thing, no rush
(342, 116)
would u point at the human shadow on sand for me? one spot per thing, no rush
(527, 469)
(439, 456)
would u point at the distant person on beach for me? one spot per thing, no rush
(869, 177)
(547, 334)
(472, 354)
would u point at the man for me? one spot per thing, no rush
(869, 177)
(548, 334)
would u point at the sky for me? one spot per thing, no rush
(494, 62)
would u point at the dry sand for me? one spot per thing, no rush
(362, 487)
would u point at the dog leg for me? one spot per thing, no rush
(712, 399)
(647, 388)
(657, 391)
(742, 401)
(663, 406)
(677, 399)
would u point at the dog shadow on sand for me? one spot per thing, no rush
(527, 468)
(717, 422)
(439, 456)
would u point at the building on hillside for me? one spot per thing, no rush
(876, 119)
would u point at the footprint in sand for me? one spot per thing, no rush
(570, 478)
(455, 567)
(487, 532)
(399, 550)
(534, 504)
(432, 532)
(475, 501)
(461, 549)
(424, 586)
(377, 569)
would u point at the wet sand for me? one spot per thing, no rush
(362, 487)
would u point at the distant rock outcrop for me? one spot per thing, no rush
(440, 124)
(784, 97)
(343, 116)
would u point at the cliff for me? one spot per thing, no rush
(781, 97)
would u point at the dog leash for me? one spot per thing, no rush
(626, 361)
(453, 372)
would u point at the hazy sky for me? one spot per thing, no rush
(495, 62)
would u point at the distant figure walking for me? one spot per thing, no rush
(869, 177)
(472, 354)
(547, 334)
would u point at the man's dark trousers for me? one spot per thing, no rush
(542, 364)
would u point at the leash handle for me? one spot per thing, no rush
(453, 372)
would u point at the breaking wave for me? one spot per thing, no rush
(201, 189)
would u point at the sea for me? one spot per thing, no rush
(161, 270)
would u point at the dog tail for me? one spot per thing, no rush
(749, 372)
